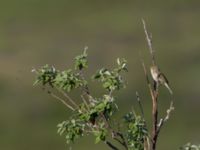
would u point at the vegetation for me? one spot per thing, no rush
(190, 146)
(94, 115)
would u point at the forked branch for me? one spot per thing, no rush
(166, 118)
(154, 95)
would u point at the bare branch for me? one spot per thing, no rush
(119, 141)
(85, 89)
(154, 97)
(166, 118)
(61, 100)
(85, 102)
(147, 79)
(111, 145)
(149, 42)
(68, 97)
(121, 136)
(123, 139)
(140, 104)
(115, 134)
(147, 145)
(171, 108)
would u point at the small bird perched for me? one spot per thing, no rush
(159, 77)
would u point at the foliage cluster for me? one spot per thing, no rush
(190, 146)
(94, 115)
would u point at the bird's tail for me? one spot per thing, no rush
(167, 86)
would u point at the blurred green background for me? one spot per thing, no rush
(36, 32)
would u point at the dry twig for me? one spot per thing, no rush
(154, 95)
(166, 118)
(149, 42)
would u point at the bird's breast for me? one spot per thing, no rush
(154, 75)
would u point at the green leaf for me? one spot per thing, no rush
(73, 129)
(81, 61)
(97, 140)
(46, 75)
(136, 131)
(112, 79)
(100, 134)
(190, 146)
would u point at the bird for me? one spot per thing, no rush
(159, 78)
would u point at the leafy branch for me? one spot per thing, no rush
(95, 115)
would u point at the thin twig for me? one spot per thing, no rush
(118, 140)
(111, 145)
(140, 104)
(68, 97)
(86, 89)
(61, 100)
(147, 145)
(166, 118)
(147, 79)
(147, 139)
(85, 102)
(124, 143)
(149, 42)
(115, 134)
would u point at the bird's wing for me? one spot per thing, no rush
(161, 75)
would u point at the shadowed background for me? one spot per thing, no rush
(36, 32)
